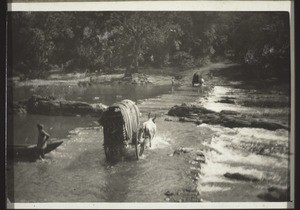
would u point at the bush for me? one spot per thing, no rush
(183, 59)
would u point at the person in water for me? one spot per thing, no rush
(43, 137)
(173, 83)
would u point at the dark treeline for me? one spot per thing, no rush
(103, 41)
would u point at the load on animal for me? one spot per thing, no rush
(197, 79)
(120, 129)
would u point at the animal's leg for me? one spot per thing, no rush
(142, 148)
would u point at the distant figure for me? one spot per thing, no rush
(43, 137)
(197, 79)
(173, 83)
(147, 133)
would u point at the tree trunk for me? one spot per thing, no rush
(136, 55)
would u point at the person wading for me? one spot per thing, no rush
(43, 137)
(173, 83)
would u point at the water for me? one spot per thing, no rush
(106, 94)
(24, 126)
(78, 172)
(270, 170)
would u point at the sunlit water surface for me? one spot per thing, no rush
(78, 172)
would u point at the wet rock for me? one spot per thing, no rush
(198, 115)
(275, 194)
(188, 109)
(186, 195)
(200, 159)
(52, 106)
(226, 101)
(229, 112)
(194, 172)
(182, 150)
(168, 193)
(185, 119)
(241, 177)
(186, 150)
(268, 125)
(171, 119)
(232, 122)
(200, 153)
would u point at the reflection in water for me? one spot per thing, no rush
(106, 94)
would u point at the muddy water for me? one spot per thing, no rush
(77, 170)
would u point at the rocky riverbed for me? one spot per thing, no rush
(226, 141)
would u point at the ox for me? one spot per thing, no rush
(146, 133)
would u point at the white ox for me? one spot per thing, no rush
(147, 133)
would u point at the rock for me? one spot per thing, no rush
(186, 195)
(176, 152)
(234, 122)
(51, 106)
(182, 150)
(229, 112)
(188, 109)
(200, 159)
(198, 115)
(241, 177)
(194, 172)
(200, 153)
(226, 101)
(186, 150)
(185, 119)
(168, 193)
(275, 194)
(169, 119)
(268, 125)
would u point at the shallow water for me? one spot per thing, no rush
(78, 172)
(106, 94)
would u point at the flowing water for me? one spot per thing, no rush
(78, 172)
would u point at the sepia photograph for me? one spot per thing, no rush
(172, 106)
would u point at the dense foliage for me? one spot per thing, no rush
(104, 41)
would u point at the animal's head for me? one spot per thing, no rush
(152, 118)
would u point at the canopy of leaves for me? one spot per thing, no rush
(103, 41)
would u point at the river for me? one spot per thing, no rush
(78, 172)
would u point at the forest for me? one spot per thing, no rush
(40, 42)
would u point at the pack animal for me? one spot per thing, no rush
(147, 133)
(197, 79)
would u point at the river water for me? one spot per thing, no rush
(78, 172)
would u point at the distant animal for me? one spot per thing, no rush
(197, 79)
(147, 133)
(84, 83)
